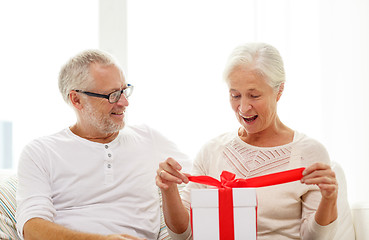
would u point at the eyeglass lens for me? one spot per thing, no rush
(115, 96)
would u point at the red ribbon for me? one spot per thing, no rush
(228, 181)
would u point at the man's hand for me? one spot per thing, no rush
(123, 237)
(37, 228)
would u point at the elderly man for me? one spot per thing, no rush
(95, 179)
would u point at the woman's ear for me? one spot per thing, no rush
(280, 91)
(75, 99)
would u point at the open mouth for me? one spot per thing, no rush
(117, 113)
(250, 119)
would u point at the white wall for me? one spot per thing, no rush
(174, 53)
(345, 83)
(37, 38)
(177, 50)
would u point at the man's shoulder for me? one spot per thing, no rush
(60, 135)
(56, 138)
(41, 146)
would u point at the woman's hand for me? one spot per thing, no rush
(168, 176)
(169, 173)
(324, 177)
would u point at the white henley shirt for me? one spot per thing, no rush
(94, 187)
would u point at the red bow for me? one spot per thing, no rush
(228, 181)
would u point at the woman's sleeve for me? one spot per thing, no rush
(314, 152)
(310, 229)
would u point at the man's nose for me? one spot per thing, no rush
(123, 100)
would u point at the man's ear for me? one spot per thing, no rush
(280, 91)
(75, 99)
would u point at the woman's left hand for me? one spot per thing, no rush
(324, 177)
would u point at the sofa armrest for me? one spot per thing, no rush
(360, 214)
(8, 185)
(345, 230)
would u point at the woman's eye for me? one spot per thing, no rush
(235, 96)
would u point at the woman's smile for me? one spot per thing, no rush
(250, 119)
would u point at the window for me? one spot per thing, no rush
(37, 38)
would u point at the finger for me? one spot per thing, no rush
(325, 172)
(170, 163)
(163, 183)
(169, 174)
(315, 167)
(319, 180)
(170, 168)
(326, 175)
(174, 164)
(187, 175)
(167, 165)
(173, 176)
(320, 174)
(160, 183)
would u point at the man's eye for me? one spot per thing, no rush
(235, 96)
(254, 96)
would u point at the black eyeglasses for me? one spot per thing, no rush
(112, 97)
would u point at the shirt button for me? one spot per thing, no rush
(109, 155)
(106, 146)
(109, 165)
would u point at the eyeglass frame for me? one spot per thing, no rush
(123, 91)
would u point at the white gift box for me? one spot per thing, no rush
(205, 214)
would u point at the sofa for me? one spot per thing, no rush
(354, 219)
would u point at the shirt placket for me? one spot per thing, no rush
(108, 165)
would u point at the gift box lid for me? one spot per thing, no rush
(208, 198)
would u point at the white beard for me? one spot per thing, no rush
(100, 121)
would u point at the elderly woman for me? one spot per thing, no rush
(261, 145)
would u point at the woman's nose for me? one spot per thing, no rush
(244, 107)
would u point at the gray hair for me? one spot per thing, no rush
(75, 74)
(262, 58)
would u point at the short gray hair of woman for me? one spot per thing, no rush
(75, 74)
(262, 58)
